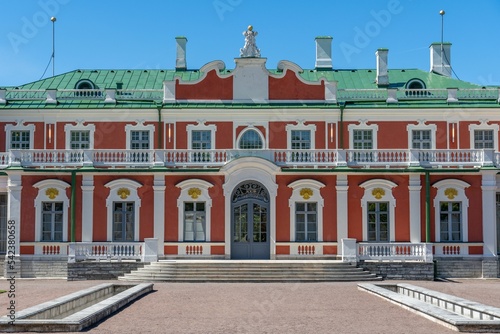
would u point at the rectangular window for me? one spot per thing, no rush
(421, 139)
(450, 220)
(363, 139)
(306, 222)
(20, 140)
(52, 221)
(194, 221)
(301, 140)
(378, 221)
(80, 140)
(201, 140)
(139, 140)
(123, 221)
(483, 139)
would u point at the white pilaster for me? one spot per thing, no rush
(489, 189)
(342, 208)
(14, 187)
(87, 207)
(159, 210)
(414, 187)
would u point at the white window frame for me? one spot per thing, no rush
(42, 196)
(368, 196)
(139, 127)
(484, 126)
(185, 197)
(79, 127)
(362, 126)
(19, 127)
(316, 197)
(300, 126)
(113, 196)
(250, 128)
(201, 126)
(421, 126)
(460, 186)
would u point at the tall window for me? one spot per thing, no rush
(139, 140)
(306, 221)
(450, 220)
(52, 221)
(194, 221)
(421, 139)
(483, 139)
(123, 221)
(250, 140)
(378, 221)
(201, 139)
(20, 140)
(80, 140)
(301, 140)
(362, 139)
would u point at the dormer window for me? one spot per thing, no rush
(85, 84)
(415, 84)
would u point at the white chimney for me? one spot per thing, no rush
(180, 60)
(382, 71)
(323, 52)
(441, 58)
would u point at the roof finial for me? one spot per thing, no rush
(250, 48)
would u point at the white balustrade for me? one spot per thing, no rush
(203, 158)
(51, 248)
(193, 249)
(81, 94)
(140, 94)
(378, 157)
(455, 248)
(362, 94)
(123, 158)
(478, 94)
(422, 94)
(305, 157)
(105, 251)
(4, 160)
(26, 95)
(449, 157)
(395, 251)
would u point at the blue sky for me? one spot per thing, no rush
(130, 34)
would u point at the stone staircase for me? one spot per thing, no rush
(249, 271)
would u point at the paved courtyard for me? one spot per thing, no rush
(259, 307)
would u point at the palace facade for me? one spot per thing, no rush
(252, 162)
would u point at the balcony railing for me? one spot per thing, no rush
(283, 158)
(389, 95)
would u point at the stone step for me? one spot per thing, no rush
(249, 271)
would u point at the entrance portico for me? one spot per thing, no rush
(259, 217)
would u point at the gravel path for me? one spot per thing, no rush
(260, 307)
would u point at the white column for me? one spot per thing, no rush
(341, 209)
(489, 188)
(14, 187)
(87, 207)
(415, 221)
(159, 210)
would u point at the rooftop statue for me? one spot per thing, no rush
(250, 48)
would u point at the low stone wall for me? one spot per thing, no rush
(33, 266)
(467, 267)
(93, 270)
(400, 270)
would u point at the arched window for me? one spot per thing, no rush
(251, 140)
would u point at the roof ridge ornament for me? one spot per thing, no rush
(250, 49)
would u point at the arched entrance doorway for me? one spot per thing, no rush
(250, 226)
